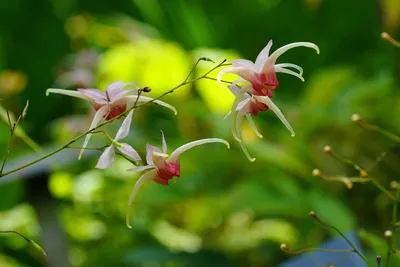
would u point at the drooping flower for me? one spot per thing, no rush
(107, 158)
(108, 104)
(262, 73)
(163, 167)
(262, 80)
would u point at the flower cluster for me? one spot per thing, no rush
(260, 81)
(257, 82)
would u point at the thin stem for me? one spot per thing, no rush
(8, 142)
(107, 122)
(393, 237)
(214, 79)
(26, 239)
(378, 129)
(363, 172)
(383, 189)
(313, 214)
(102, 149)
(304, 250)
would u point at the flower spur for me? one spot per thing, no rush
(163, 167)
(109, 104)
(262, 79)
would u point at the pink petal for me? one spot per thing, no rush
(114, 88)
(164, 143)
(243, 63)
(125, 126)
(96, 95)
(121, 94)
(96, 120)
(149, 153)
(246, 73)
(128, 151)
(107, 158)
(141, 168)
(262, 57)
(175, 155)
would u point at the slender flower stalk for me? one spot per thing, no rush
(109, 104)
(162, 167)
(256, 94)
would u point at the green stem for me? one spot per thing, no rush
(393, 229)
(109, 121)
(312, 214)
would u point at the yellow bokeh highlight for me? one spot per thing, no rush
(217, 98)
(158, 64)
(61, 184)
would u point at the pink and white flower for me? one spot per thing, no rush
(262, 74)
(107, 158)
(109, 104)
(163, 167)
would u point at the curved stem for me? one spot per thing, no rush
(109, 121)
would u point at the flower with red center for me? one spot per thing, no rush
(107, 158)
(262, 74)
(163, 167)
(109, 104)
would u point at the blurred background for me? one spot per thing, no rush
(224, 210)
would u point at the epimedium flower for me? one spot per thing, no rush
(262, 80)
(247, 107)
(262, 73)
(107, 158)
(109, 104)
(162, 167)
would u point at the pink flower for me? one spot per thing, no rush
(262, 73)
(163, 168)
(109, 104)
(107, 158)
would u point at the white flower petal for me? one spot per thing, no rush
(145, 177)
(164, 143)
(242, 104)
(242, 63)
(107, 158)
(290, 65)
(253, 125)
(96, 120)
(141, 168)
(290, 72)
(122, 94)
(239, 121)
(227, 114)
(132, 99)
(128, 151)
(238, 99)
(262, 57)
(149, 153)
(246, 152)
(274, 56)
(246, 73)
(267, 101)
(113, 89)
(125, 127)
(96, 95)
(175, 155)
(69, 93)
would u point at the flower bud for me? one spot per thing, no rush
(327, 149)
(316, 172)
(388, 233)
(355, 117)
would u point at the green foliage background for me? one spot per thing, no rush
(224, 211)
